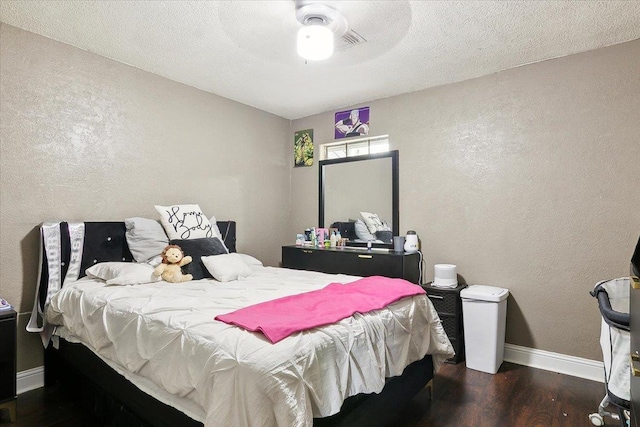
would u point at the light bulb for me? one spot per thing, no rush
(315, 42)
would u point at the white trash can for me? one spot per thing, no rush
(484, 309)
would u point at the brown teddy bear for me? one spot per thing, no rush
(172, 259)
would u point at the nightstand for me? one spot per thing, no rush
(8, 322)
(448, 304)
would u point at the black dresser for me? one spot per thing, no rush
(634, 320)
(448, 304)
(8, 362)
(354, 261)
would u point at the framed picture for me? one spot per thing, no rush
(303, 148)
(352, 123)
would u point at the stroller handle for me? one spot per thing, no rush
(612, 317)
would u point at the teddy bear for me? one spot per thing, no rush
(172, 259)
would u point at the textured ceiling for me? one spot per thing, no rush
(245, 50)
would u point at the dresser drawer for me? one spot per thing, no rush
(301, 259)
(7, 339)
(7, 381)
(356, 263)
(445, 303)
(363, 264)
(448, 304)
(7, 355)
(452, 326)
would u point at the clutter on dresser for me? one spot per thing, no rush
(4, 305)
(318, 237)
(398, 243)
(322, 234)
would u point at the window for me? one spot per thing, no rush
(355, 147)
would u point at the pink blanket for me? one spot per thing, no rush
(279, 318)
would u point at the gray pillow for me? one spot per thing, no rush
(196, 249)
(146, 238)
(385, 236)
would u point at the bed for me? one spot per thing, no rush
(153, 355)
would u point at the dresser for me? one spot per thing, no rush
(354, 261)
(448, 304)
(634, 324)
(8, 362)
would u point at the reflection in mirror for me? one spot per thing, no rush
(347, 190)
(352, 185)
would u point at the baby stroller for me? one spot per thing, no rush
(613, 302)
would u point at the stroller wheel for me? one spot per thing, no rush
(596, 419)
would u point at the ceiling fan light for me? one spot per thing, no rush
(315, 42)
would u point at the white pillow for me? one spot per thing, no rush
(249, 260)
(226, 267)
(123, 273)
(362, 232)
(146, 238)
(184, 222)
(373, 222)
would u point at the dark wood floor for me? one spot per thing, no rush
(515, 396)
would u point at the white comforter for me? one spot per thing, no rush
(166, 335)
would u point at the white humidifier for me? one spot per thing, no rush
(445, 276)
(411, 242)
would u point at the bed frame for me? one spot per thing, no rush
(118, 402)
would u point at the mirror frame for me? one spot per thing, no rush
(395, 189)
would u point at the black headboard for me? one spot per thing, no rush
(103, 242)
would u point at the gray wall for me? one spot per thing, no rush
(526, 179)
(522, 178)
(87, 138)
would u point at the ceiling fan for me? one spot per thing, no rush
(321, 25)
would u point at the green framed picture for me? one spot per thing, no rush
(303, 148)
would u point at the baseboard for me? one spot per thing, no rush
(556, 362)
(541, 359)
(30, 379)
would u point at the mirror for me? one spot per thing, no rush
(352, 185)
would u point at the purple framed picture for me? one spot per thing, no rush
(352, 123)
